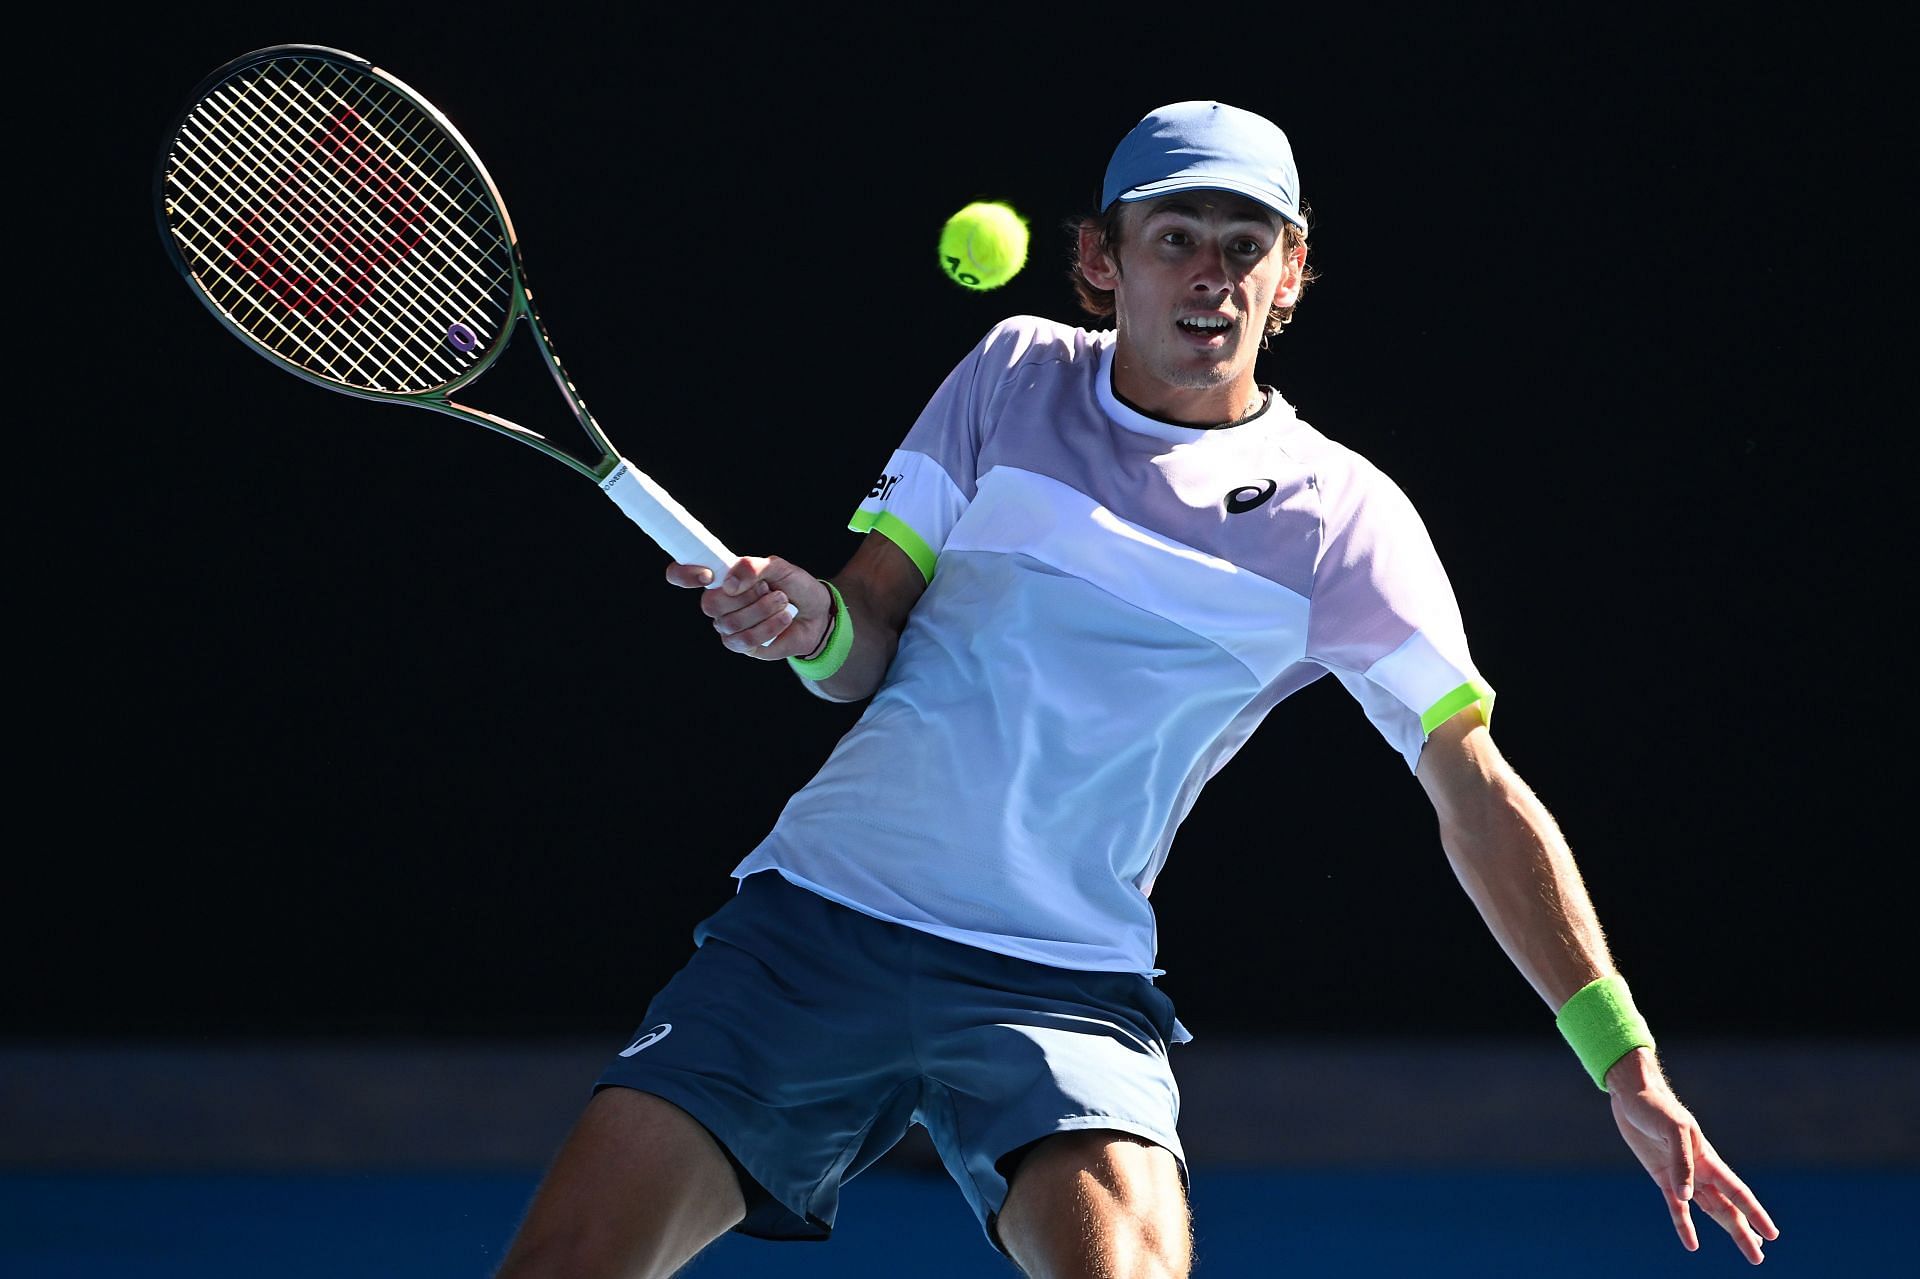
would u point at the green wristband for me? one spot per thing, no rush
(1602, 1025)
(839, 642)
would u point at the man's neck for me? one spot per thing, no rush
(1197, 407)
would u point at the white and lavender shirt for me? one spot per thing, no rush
(1113, 605)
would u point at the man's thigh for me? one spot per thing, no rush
(637, 1189)
(1098, 1203)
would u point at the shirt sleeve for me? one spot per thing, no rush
(930, 480)
(1384, 618)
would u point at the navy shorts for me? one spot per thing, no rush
(806, 1037)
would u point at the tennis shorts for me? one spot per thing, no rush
(806, 1037)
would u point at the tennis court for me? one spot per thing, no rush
(1310, 1158)
(1334, 1223)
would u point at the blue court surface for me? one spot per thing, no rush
(1838, 1225)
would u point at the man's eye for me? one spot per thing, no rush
(1175, 237)
(1252, 248)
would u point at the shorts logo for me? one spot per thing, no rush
(1248, 496)
(648, 1040)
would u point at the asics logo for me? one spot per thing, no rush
(1248, 496)
(649, 1039)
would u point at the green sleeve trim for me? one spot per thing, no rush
(1601, 1025)
(839, 643)
(900, 534)
(1458, 700)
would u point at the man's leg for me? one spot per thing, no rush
(1098, 1205)
(637, 1189)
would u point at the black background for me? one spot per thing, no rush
(341, 718)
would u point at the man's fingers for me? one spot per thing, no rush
(1712, 1201)
(745, 627)
(689, 576)
(1743, 1200)
(720, 604)
(1713, 1169)
(1682, 1215)
(1682, 1171)
(1757, 1214)
(750, 605)
(752, 571)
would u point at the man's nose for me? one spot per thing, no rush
(1211, 273)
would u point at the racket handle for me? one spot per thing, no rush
(668, 523)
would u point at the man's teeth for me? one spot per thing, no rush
(1206, 322)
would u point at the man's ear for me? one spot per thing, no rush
(1096, 263)
(1289, 291)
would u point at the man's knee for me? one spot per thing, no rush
(1098, 1203)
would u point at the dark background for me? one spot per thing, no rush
(343, 719)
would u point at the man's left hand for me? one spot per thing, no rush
(1666, 1139)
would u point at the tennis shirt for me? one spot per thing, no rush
(1114, 603)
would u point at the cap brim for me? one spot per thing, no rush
(1202, 182)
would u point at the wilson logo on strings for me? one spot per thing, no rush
(332, 226)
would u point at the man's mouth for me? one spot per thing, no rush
(1205, 326)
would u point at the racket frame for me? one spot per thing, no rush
(519, 307)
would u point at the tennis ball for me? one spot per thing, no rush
(984, 245)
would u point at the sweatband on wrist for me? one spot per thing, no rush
(838, 643)
(1602, 1025)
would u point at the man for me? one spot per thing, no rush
(949, 924)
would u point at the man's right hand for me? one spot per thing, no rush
(749, 607)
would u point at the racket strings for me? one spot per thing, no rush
(337, 340)
(333, 221)
(346, 185)
(295, 200)
(340, 341)
(457, 255)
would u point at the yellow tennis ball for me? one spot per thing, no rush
(984, 245)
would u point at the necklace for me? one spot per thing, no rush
(1255, 409)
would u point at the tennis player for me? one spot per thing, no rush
(949, 924)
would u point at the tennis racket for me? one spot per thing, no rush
(337, 223)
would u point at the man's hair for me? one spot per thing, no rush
(1106, 231)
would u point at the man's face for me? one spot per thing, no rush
(1195, 275)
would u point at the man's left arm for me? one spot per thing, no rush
(1511, 858)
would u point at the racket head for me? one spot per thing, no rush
(337, 223)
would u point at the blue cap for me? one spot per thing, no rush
(1205, 146)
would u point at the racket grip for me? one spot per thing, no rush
(668, 523)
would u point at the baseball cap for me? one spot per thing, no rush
(1205, 146)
